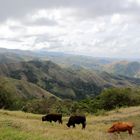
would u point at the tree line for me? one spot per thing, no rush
(109, 99)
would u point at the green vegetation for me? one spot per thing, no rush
(18, 94)
(42, 87)
(109, 99)
(14, 94)
(66, 83)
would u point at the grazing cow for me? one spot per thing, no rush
(121, 127)
(53, 117)
(77, 120)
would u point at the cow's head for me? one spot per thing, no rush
(43, 118)
(111, 130)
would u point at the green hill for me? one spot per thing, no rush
(65, 82)
(22, 89)
(61, 82)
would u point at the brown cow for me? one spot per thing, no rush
(121, 127)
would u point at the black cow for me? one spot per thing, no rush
(77, 119)
(53, 117)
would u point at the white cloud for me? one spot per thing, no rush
(116, 19)
(92, 27)
(134, 2)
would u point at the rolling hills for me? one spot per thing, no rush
(125, 67)
(61, 82)
(76, 77)
(130, 69)
(12, 56)
(65, 82)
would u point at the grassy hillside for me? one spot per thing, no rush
(25, 126)
(22, 89)
(65, 82)
(61, 82)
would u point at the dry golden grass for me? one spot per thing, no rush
(16, 125)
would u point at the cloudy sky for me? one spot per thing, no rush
(106, 28)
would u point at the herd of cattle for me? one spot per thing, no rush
(81, 119)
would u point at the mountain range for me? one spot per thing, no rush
(64, 75)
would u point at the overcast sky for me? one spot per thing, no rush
(106, 28)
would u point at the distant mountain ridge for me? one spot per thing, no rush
(130, 69)
(14, 56)
(63, 59)
(126, 67)
(76, 77)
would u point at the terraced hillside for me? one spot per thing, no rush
(16, 125)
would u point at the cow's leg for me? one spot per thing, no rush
(73, 125)
(129, 136)
(83, 125)
(130, 131)
(118, 136)
(60, 121)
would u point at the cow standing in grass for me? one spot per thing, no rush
(121, 127)
(77, 120)
(53, 117)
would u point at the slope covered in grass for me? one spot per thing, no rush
(25, 126)
(23, 89)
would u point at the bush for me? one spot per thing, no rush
(112, 98)
(7, 100)
(109, 99)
